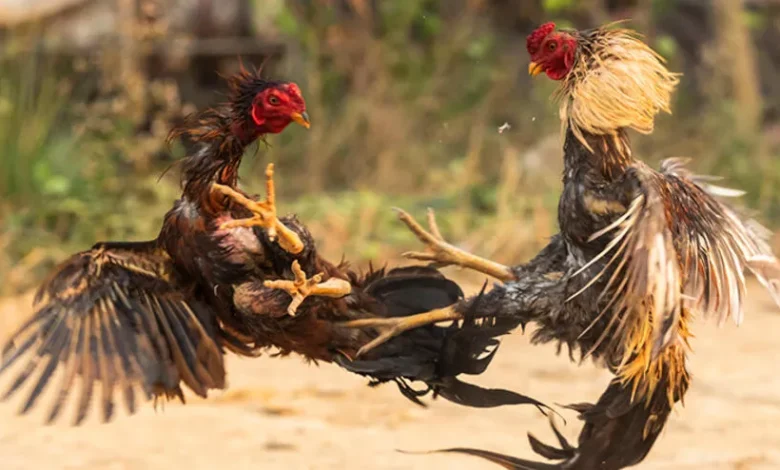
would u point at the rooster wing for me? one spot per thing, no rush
(117, 314)
(678, 248)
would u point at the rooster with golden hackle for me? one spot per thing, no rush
(640, 253)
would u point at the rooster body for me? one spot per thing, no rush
(157, 314)
(640, 252)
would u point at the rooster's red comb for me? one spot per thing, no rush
(534, 40)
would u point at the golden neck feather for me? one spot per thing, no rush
(616, 82)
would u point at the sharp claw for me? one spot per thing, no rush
(446, 254)
(433, 225)
(383, 337)
(297, 271)
(302, 287)
(421, 234)
(296, 302)
(265, 212)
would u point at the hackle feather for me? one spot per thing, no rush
(617, 81)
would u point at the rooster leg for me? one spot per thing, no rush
(392, 327)
(264, 214)
(529, 299)
(301, 287)
(445, 254)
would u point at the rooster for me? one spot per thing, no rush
(640, 252)
(299, 302)
(226, 274)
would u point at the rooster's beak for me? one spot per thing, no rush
(301, 118)
(534, 69)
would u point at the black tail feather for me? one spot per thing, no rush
(618, 433)
(414, 289)
(506, 461)
(474, 396)
(432, 354)
(469, 348)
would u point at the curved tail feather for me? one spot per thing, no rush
(506, 461)
(433, 354)
(618, 433)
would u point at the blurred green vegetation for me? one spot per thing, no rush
(406, 101)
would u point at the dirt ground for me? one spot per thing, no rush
(285, 414)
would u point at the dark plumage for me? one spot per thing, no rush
(121, 315)
(153, 315)
(639, 254)
(433, 355)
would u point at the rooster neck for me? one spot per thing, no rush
(594, 189)
(213, 161)
(609, 160)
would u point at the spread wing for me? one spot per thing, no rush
(117, 315)
(679, 247)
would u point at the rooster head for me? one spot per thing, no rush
(610, 79)
(552, 52)
(262, 106)
(216, 138)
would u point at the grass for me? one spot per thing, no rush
(62, 173)
(406, 112)
(37, 181)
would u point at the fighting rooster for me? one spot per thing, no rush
(225, 273)
(149, 314)
(640, 252)
(299, 302)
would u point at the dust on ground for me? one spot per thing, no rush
(281, 413)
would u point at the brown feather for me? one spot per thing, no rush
(115, 315)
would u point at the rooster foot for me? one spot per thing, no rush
(264, 214)
(444, 254)
(301, 287)
(391, 327)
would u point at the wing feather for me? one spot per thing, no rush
(125, 369)
(86, 371)
(69, 376)
(677, 248)
(105, 370)
(118, 315)
(723, 241)
(58, 340)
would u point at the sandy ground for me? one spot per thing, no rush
(285, 414)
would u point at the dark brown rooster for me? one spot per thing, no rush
(299, 302)
(154, 314)
(640, 252)
(149, 314)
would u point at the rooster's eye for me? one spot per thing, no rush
(551, 46)
(273, 100)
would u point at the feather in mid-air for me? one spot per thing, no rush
(640, 252)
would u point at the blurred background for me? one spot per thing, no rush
(408, 99)
(414, 103)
